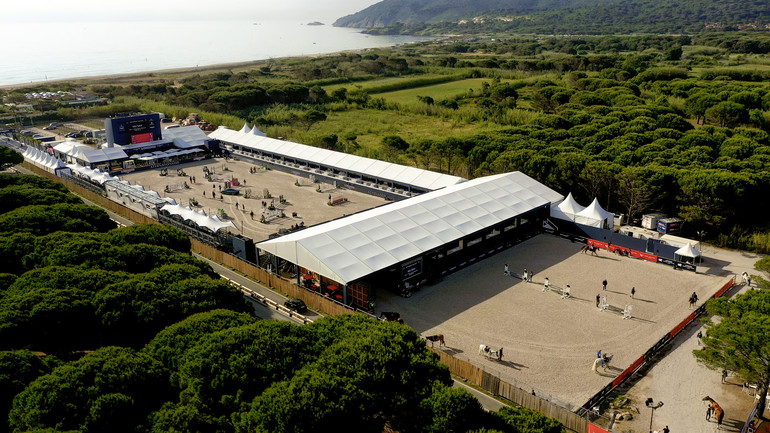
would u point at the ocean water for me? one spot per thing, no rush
(52, 51)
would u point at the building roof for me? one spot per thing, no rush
(594, 215)
(402, 174)
(353, 247)
(186, 137)
(126, 188)
(200, 218)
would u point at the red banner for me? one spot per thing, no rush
(141, 138)
(593, 428)
(725, 288)
(622, 376)
(597, 243)
(644, 256)
(682, 325)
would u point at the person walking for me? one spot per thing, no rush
(665, 429)
(525, 276)
(505, 270)
(709, 411)
(604, 285)
(724, 376)
(633, 292)
(546, 285)
(529, 277)
(252, 215)
(598, 298)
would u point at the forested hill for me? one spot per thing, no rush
(571, 17)
(388, 12)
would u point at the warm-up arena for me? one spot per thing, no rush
(550, 341)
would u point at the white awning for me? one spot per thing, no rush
(358, 245)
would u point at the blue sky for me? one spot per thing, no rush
(31, 11)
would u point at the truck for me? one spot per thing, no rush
(650, 221)
(669, 225)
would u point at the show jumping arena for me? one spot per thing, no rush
(550, 342)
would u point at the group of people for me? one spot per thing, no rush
(526, 276)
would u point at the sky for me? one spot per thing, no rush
(36, 11)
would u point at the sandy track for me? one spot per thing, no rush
(550, 343)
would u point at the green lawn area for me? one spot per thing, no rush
(367, 84)
(436, 91)
(369, 126)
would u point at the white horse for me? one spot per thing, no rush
(604, 361)
(491, 353)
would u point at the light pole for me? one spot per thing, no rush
(649, 403)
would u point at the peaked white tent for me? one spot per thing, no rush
(256, 131)
(200, 218)
(595, 216)
(245, 128)
(686, 252)
(569, 207)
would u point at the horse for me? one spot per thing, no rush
(435, 338)
(589, 249)
(491, 353)
(604, 361)
(718, 411)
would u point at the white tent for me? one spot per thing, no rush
(595, 216)
(198, 217)
(353, 247)
(245, 128)
(570, 207)
(256, 131)
(686, 252)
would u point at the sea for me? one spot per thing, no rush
(42, 52)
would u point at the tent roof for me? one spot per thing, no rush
(595, 211)
(688, 251)
(570, 207)
(186, 137)
(353, 247)
(256, 131)
(198, 217)
(406, 175)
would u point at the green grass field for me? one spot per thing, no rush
(436, 91)
(369, 126)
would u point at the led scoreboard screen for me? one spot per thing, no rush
(134, 129)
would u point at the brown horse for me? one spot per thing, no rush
(435, 338)
(718, 412)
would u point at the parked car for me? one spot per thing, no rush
(171, 126)
(165, 120)
(52, 125)
(296, 305)
(230, 191)
(77, 134)
(27, 132)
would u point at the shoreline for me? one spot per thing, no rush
(152, 75)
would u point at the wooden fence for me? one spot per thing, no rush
(287, 287)
(498, 387)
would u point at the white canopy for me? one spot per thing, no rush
(595, 216)
(687, 251)
(256, 131)
(567, 209)
(200, 218)
(356, 165)
(245, 128)
(44, 160)
(353, 247)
